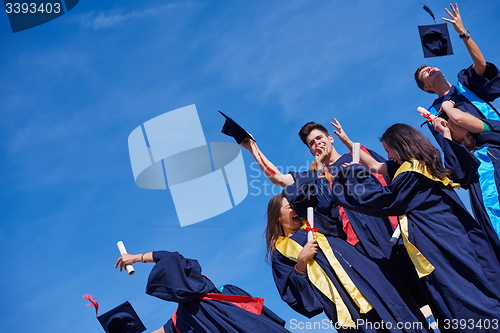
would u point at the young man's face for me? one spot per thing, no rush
(318, 141)
(428, 75)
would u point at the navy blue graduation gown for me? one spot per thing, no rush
(486, 87)
(373, 232)
(301, 295)
(444, 232)
(463, 166)
(178, 279)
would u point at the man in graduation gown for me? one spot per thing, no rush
(202, 307)
(477, 86)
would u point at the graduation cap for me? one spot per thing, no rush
(435, 40)
(234, 130)
(122, 319)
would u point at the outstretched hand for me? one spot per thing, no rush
(127, 259)
(456, 19)
(341, 133)
(248, 144)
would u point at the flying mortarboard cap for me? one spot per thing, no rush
(122, 319)
(231, 128)
(435, 40)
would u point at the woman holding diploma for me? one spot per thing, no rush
(202, 306)
(329, 275)
(449, 250)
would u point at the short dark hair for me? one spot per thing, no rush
(420, 83)
(410, 144)
(308, 128)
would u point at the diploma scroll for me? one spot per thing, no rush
(310, 219)
(425, 113)
(395, 236)
(121, 248)
(429, 317)
(355, 152)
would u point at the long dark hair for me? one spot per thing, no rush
(409, 143)
(273, 229)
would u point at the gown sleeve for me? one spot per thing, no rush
(294, 288)
(177, 279)
(487, 86)
(458, 159)
(363, 193)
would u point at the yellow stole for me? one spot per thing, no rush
(291, 249)
(422, 265)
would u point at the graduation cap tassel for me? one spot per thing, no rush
(428, 10)
(93, 302)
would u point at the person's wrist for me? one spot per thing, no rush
(449, 102)
(464, 34)
(299, 271)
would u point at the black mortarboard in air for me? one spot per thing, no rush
(435, 40)
(231, 128)
(122, 319)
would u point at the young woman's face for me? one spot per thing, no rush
(462, 136)
(391, 154)
(290, 221)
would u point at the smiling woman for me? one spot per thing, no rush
(289, 220)
(329, 275)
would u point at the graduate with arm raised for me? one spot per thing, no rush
(369, 235)
(476, 88)
(202, 306)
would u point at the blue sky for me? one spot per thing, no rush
(73, 89)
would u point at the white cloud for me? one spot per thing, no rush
(108, 19)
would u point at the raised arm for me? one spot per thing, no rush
(461, 118)
(369, 162)
(269, 169)
(474, 51)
